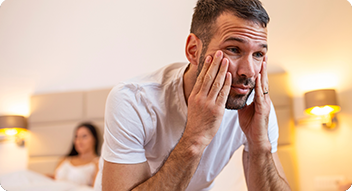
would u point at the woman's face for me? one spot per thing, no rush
(84, 140)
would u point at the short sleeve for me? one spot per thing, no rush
(273, 131)
(127, 119)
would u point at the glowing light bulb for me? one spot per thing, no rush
(11, 132)
(322, 110)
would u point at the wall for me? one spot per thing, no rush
(13, 157)
(53, 46)
(62, 45)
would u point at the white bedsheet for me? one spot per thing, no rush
(27, 180)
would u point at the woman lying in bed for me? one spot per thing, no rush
(80, 166)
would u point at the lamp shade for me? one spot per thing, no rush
(321, 102)
(13, 121)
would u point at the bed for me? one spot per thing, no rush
(54, 117)
(27, 180)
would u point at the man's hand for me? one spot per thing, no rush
(206, 104)
(254, 118)
(262, 168)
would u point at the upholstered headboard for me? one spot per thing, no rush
(55, 116)
(53, 120)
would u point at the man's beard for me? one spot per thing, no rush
(234, 101)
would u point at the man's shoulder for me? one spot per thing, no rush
(162, 75)
(150, 84)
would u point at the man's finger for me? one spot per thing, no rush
(264, 77)
(211, 73)
(219, 80)
(223, 94)
(200, 77)
(259, 95)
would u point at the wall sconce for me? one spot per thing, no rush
(14, 126)
(323, 103)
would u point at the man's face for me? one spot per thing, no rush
(244, 44)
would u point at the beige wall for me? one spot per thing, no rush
(13, 158)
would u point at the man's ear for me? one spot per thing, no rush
(193, 48)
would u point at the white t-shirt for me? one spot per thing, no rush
(145, 118)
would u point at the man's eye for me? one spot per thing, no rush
(234, 49)
(258, 54)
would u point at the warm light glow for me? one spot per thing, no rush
(324, 110)
(321, 110)
(308, 82)
(13, 131)
(18, 109)
(12, 104)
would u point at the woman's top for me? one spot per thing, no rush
(82, 174)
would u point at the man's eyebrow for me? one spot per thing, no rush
(264, 46)
(241, 40)
(236, 39)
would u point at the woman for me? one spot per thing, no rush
(80, 166)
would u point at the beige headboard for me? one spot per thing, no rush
(54, 117)
(53, 120)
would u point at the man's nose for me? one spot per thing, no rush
(246, 67)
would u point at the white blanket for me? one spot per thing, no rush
(27, 180)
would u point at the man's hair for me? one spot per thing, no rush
(206, 13)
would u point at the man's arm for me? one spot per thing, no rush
(124, 176)
(206, 106)
(264, 172)
(263, 169)
(175, 173)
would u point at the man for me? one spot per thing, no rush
(170, 130)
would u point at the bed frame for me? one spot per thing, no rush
(54, 117)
